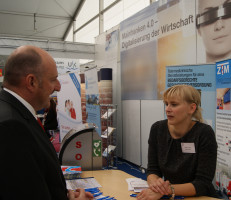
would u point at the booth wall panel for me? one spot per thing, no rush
(131, 131)
(151, 111)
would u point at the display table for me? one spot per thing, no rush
(114, 184)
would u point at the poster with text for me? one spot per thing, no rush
(153, 38)
(92, 99)
(66, 65)
(201, 77)
(223, 126)
(69, 103)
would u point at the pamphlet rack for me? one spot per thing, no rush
(109, 136)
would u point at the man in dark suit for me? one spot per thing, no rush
(29, 165)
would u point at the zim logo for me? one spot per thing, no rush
(223, 68)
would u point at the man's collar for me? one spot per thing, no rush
(23, 101)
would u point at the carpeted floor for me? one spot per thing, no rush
(131, 169)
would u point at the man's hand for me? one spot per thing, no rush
(79, 194)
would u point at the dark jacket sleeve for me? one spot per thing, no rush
(22, 177)
(153, 165)
(207, 158)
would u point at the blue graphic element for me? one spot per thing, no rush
(86, 83)
(76, 83)
(223, 75)
(203, 78)
(73, 169)
(93, 116)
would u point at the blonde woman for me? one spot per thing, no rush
(182, 149)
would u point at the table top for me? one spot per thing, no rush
(114, 184)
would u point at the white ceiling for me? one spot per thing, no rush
(38, 19)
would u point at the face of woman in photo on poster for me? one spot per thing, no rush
(214, 26)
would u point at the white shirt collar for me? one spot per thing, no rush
(25, 103)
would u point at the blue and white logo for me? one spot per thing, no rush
(223, 75)
(223, 68)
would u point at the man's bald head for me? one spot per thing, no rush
(23, 61)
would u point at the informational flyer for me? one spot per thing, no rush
(69, 103)
(223, 127)
(84, 183)
(92, 99)
(202, 77)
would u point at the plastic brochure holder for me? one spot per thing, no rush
(108, 150)
(108, 113)
(107, 132)
(108, 119)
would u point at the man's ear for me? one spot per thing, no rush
(31, 82)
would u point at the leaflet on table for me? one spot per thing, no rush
(108, 150)
(107, 132)
(84, 183)
(71, 169)
(108, 114)
(71, 172)
(98, 194)
(136, 184)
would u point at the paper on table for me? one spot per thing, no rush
(82, 183)
(136, 184)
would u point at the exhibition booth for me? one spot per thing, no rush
(116, 101)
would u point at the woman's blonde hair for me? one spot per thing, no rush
(186, 93)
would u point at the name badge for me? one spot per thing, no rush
(188, 147)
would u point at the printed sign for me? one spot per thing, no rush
(97, 149)
(202, 77)
(223, 127)
(69, 103)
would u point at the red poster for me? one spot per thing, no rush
(0, 72)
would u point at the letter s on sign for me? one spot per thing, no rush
(78, 144)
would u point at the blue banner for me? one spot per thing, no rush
(76, 82)
(203, 78)
(92, 99)
(93, 115)
(223, 74)
(223, 127)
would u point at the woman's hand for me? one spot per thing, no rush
(160, 186)
(148, 194)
